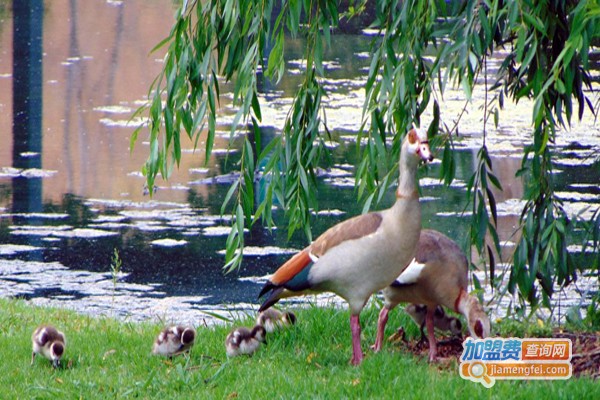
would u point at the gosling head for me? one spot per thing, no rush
(259, 333)
(188, 336)
(290, 318)
(56, 352)
(456, 327)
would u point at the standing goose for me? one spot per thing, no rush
(49, 342)
(361, 255)
(437, 276)
(174, 340)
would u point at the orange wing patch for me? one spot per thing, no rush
(291, 268)
(354, 228)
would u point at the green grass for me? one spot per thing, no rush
(106, 358)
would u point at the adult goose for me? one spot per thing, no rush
(361, 255)
(437, 276)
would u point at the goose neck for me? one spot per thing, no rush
(407, 182)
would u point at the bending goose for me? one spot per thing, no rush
(245, 341)
(437, 276)
(359, 256)
(174, 340)
(273, 319)
(48, 342)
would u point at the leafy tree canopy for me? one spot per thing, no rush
(545, 58)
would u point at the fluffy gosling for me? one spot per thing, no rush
(441, 320)
(273, 319)
(174, 340)
(245, 341)
(48, 342)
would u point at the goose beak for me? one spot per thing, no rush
(56, 363)
(424, 151)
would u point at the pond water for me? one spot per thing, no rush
(71, 191)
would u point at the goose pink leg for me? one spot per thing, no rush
(431, 333)
(381, 322)
(357, 354)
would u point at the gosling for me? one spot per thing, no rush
(441, 320)
(273, 319)
(48, 342)
(245, 341)
(174, 340)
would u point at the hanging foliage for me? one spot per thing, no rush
(545, 59)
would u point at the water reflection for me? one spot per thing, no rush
(27, 103)
(60, 224)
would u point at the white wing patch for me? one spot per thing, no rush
(411, 273)
(42, 337)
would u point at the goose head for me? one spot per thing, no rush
(188, 336)
(289, 318)
(174, 340)
(418, 145)
(456, 327)
(56, 352)
(259, 333)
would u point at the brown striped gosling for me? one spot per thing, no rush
(49, 342)
(441, 320)
(273, 319)
(245, 341)
(174, 340)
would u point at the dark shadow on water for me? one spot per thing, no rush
(27, 102)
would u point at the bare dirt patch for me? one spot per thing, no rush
(585, 360)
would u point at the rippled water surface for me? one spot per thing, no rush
(71, 191)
